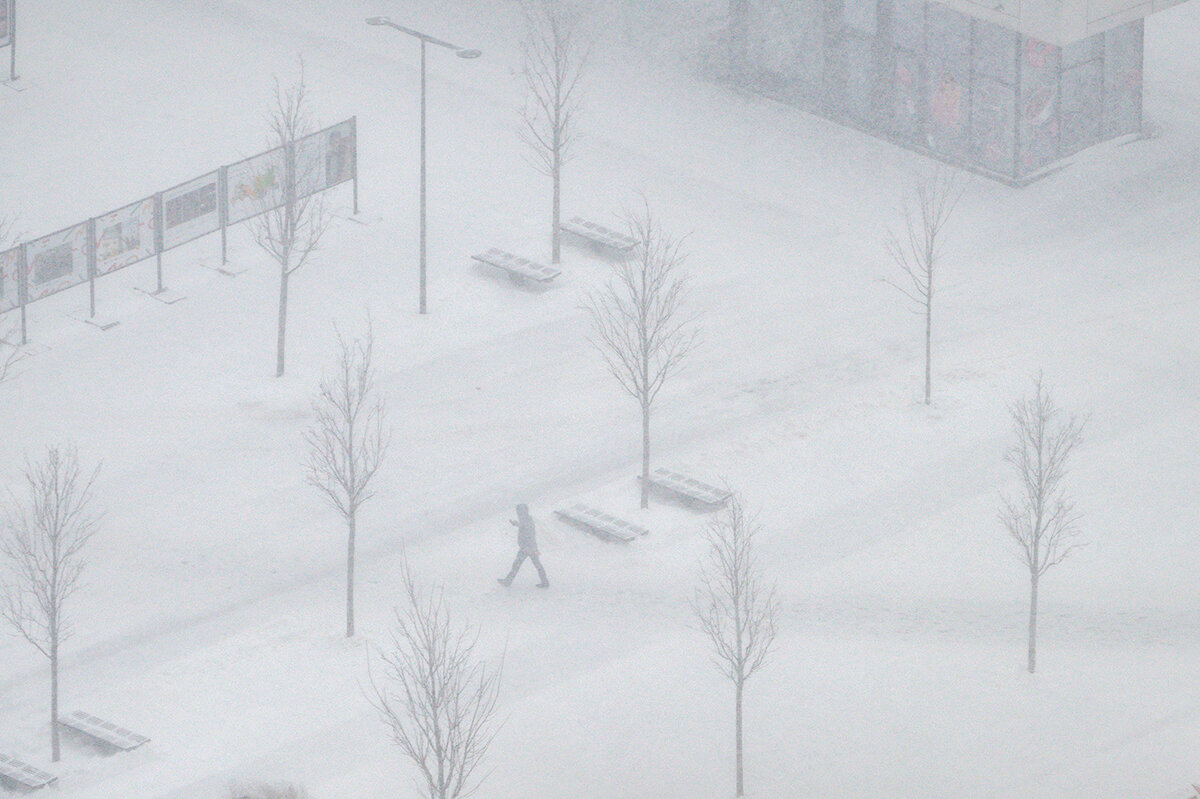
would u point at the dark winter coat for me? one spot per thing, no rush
(526, 537)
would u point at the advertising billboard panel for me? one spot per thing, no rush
(311, 163)
(255, 185)
(5, 23)
(124, 236)
(57, 261)
(10, 277)
(190, 210)
(324, 159)
(339, 153)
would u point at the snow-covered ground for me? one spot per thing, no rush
(210, 619)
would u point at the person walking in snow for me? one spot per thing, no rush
(526, 547)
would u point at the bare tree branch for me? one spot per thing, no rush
(638, 321)
(555, 55)
(437, 698)
(734, 608)
(915, 249)
(1040, 519)
(42, 543)
(347, 441)
(289, 226)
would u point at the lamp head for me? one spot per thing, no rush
(468, 53)
(378, 20)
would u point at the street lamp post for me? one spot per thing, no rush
(461, 53)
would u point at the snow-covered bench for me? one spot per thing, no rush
(518, 268)
(688, 487)
(598, 235)
(599, 523)
(101, 731)
(20, 775)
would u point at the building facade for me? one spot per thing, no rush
(935, 78)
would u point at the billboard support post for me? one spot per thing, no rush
(354, 158)
(91, 250)
(223, 209)
(158, 238)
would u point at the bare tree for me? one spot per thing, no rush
(1041, 519)
(10, 352)
(639, 324)
(439, 699)
(736, 611)
(43, 541)
(290, 228)
(915, 248)
(555, 57)
(347, 442)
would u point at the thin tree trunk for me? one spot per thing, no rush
(738, 737)
(928, 341)
(645, 456)
(350, 580)
(554, 236)
(54, 748)
(283, 293)
(1033, 589)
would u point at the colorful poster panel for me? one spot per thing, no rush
(10, 277)
(5, 23)
(125, 236)
(57, 261)
(993, 125)
(1039, 121)
(190, 210)
(255, 185)
(1080, 107)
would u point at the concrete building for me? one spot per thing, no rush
(1005, 86)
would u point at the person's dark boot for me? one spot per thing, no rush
(544, 584)
(504, 581)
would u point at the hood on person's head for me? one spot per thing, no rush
(523, 510)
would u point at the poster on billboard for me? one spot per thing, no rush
(190, 210)
(339, 153)
(10, 278)
(57, 261)
(5, 23)
(324, 159)
(255, 185)
(310, 164)
(124, 236)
